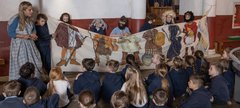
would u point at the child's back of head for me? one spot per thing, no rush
(197, 80)
(31, 96)
(88, 64)
(119, 100)
(11, 88)
(224, 63)
(86, 99)
(27, 70)
(160, 97)
(177, 63)
(113, 65)
(130, 59)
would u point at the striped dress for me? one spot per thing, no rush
(22, 50)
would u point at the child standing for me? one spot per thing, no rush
(11, 90)
(218, 87)
(112, 81)
(33, 99)
(88, 80)
(43, 41)
(200, 97)
(59, 84)
(27, 79)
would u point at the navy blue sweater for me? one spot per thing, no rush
(89, 80)
(50, 102)
(219, 90)
(179, 79)
(199, 98)
(39, 84)
(111, 83)
(12, 102)
(230, 78)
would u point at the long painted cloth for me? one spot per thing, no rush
(167, 39)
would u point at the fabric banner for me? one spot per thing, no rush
(171, 40)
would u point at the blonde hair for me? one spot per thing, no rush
(55, 74)
(86, 98)
(168, 13)
(161, 70)
(22, 18)
(134, 86)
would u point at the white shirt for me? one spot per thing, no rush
(61, 87)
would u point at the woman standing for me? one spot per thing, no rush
(22, 32)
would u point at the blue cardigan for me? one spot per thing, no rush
(199, 98)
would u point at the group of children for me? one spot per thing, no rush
(184, 84)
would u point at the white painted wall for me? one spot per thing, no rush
(196, 6)
(10, 8)
(79, 9)
(225, 7)
(220, 7)
(88, 9)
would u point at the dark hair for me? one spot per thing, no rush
(224, 63)
(130, 59)
(191, 16)
(12, 88)
(31, 95)
(113, 64)
(69, 18)
(43, 16)
(86, 98)
(162, 70)
(160, 96)
(199, 54)
(197, 79)
(88, 64)
(204, 64)
(190, 61)
(150, 17)
(177, 62)
(119, 99)
(27, 70)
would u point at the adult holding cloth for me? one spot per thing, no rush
(23, 49)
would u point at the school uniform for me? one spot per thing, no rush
(88, 80)
(12, 102)
(50, 102)
(39, 84)
(1, 97)
(230, 78)
(155, 82)
(199, 98)
(43, 44)
(99, 31)
(112, 82)
(219, 90)
(152, 105)
(189, 70)
(179, 79)
(146, 26)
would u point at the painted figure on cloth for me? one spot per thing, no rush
(154, 42)
(190, 30)
(129, 44)
(98, 26)
(69, 38)
(104, 45)
(175, 39)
